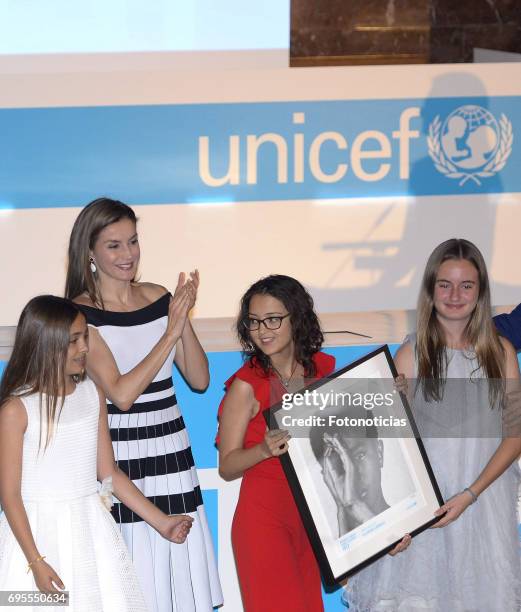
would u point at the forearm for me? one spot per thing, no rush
(127, 492)
(17, 518)
(195, 362)
(507, 452)
(124, 389)
(236, 462)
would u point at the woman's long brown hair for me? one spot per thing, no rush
(480, 332)
(37, 363)
(95, 217)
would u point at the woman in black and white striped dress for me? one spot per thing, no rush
(137, 331)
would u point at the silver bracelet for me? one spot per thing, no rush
(472, 494)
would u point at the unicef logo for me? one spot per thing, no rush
(470, 144)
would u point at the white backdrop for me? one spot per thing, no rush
(358, 244)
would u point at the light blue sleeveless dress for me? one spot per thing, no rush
(472, 564)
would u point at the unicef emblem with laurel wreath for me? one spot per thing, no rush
(470, 144)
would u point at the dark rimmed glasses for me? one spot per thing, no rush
(252, 324)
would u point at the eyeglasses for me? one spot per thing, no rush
(252, 324)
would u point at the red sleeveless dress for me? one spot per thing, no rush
(275, 562)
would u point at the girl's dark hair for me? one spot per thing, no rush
(95, 217)
(37, 363)
(305, 327)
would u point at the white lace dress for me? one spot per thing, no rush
(69, 522)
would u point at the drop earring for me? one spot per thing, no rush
(92, 265)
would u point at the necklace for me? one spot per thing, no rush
(285, 383)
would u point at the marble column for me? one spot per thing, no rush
(334, 32)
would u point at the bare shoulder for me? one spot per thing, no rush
(13, 414)
(241, 388)
(151, 291)
(239, 395)
(406, 351)
(84, 300)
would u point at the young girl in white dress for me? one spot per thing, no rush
(56, 532)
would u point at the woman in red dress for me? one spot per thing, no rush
(280, 334)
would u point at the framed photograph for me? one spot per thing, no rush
(356, 465)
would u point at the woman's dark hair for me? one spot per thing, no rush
(95, 217)
(37, 363)
(305, 327)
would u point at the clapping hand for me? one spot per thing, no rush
(188, 286)
(192, 285)
(176, 528)
(182, 302)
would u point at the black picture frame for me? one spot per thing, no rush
(337, 564)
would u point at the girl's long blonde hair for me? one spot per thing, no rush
(37, 363)
(480, 332)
